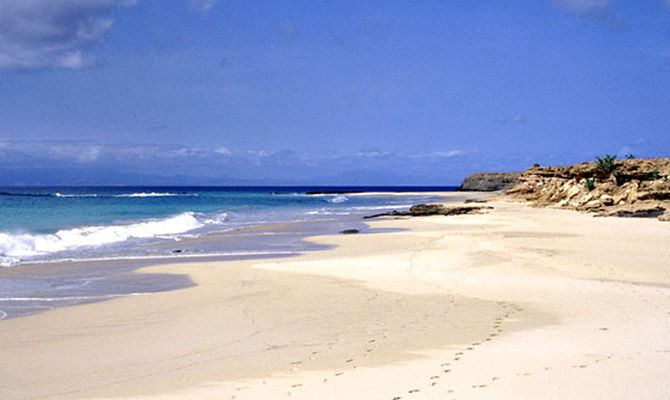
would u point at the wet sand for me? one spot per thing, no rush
(516, 303)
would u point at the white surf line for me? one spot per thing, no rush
(3, 315)
(66, 298)
(168, 256)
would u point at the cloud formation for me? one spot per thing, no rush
(201, 5)
(39, 34)
(86, 162)
(583, 8)
(517, 119)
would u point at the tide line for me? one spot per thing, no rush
(70, 298)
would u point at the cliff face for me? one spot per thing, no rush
(626, 188)
(488, 182)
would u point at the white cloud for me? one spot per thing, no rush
(447, 154)
(517, 119)
(439, 154)
(37, 34)
(372, 153)
(223, 151)
(583, 7)
(89, 155)
(202, 5)
(77, 152)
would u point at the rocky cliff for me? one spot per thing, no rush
(488, 182)
(625, 188)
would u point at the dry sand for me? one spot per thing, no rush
(519, 303)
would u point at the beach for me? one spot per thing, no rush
(515, 303)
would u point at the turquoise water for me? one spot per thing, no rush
(53, 224)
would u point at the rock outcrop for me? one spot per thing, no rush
(489, 182)
(423, 210)
(626, 188)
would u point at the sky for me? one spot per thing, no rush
(315, 92)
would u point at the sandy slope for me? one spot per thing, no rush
(520, 303)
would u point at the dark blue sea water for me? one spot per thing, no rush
(52, 224)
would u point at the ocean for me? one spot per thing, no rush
(70, 245)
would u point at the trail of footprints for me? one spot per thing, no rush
(447, 367)
(351, 362)
(434, 380)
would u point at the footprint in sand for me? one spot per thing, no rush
(414, 391)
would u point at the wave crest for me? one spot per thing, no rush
(340, 198)
(13, 247)
(140, 194)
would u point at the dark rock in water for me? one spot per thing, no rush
(489, 182)
(349, 231)
(393, 213)
(422, 210)
(476, 201)
(177, 251)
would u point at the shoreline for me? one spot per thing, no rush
(233, 244)
(534, 282)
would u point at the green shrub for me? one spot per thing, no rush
(607, 165)
(590, 184)
(629, 157)
(652, 176)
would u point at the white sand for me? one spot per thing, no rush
(519, 303)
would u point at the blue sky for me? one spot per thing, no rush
(325, 92)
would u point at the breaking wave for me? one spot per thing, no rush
(141, 194)
(340, 198)
(16, 246)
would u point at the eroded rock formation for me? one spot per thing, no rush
(490, 181)
(423, 210)
(628, 188)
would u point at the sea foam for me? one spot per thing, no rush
(15, 246)
(340, 198)
(140, 194)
